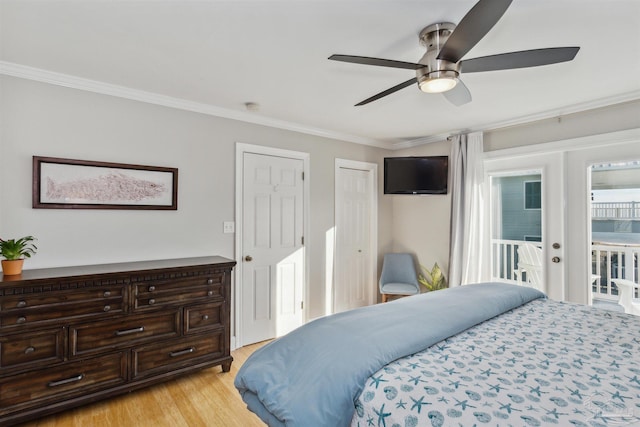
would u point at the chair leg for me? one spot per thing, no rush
(385, 297)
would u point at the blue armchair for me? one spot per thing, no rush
(398, 276)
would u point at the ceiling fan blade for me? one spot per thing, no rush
(521, 59)
(388, 91)
(459, 95)
(472, 28)
(376, 61)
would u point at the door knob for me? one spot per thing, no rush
(248, 258)
(555, 259)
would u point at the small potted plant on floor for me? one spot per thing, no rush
(14, 251)
(432, 279)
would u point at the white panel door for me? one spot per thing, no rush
(527, 205)
(273, 259)
(355, 282)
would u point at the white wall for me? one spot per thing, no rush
(46, 120)
(420, 223)
(609, 119)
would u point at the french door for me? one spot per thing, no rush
(565, 186)
(615, 147)
(525, 206)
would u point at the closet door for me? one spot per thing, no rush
(355, 282)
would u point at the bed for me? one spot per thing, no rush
(486, 354)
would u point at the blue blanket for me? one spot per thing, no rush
(312, 376)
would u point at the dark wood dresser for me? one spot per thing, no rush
(74, 335)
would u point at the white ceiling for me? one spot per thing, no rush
(214, 56)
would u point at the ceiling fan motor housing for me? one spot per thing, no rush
(433, 38)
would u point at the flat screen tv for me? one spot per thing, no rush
(416, 175)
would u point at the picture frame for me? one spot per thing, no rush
(82, 184)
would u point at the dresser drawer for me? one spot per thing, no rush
(191, 279)
(157, 292)
(43, 300)
(156, 358)
(62, 382)
(204, 317)
(57, 312)
(157, 299)
(41, 347)
(98, 336)
(53, 306)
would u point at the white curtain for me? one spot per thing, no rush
(467, 223)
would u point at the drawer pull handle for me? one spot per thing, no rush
(182, 352)
(205, 317)
(130, 331)
(21, 304)
(107, 308)
(29, 350)
(152, 288)
(210, 282)
(152, 301)
(106, 294)
(210, 293)
(66, 381)
(21, 320)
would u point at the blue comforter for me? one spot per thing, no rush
(312, 376)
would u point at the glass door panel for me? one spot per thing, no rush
(516, 221)
(526, 221)
(615, 228)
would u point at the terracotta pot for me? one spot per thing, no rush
(12, 267)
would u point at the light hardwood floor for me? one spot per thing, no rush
(206, 398)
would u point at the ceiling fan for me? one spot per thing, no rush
(439, 69)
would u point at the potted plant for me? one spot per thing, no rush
(14, 251)
(433, 279)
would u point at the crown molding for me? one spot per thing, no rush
(550, 114)
(74, 82)
(590, 141)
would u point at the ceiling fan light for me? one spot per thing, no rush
(438, 81)
(438, 85)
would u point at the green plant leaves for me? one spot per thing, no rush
(18, 248)
(432, 279)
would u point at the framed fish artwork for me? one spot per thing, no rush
(81, 184)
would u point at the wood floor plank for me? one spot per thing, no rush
(205, 398)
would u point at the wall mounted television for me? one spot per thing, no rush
(416, 175)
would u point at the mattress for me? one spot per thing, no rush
(544, 363)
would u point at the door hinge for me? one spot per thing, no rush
(302, 240)
(303, 175)
(301, 305)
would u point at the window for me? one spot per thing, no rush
(532, 195)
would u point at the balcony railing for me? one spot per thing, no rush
(505, 259)
(609, 261)
(612, 261)
(615, 210)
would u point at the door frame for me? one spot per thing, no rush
(373, 232)
(580, 154)
(613, 147)
(550, 167)
(241, 149)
